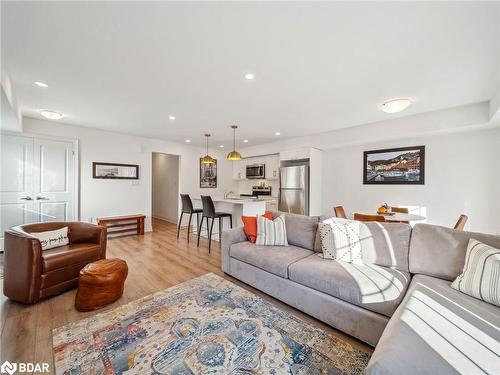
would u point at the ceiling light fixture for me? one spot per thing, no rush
(207, 159)
(249, 76)
(395, 105)
(171, 117)
(277, 133)
(51, 115)
(41, 84)
(245, 141)
(188, 141)
(234, 155)
(221, 146)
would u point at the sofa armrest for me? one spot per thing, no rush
(22, 265)
(85, 232)
(230, 237)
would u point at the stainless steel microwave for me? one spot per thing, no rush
(256, 171)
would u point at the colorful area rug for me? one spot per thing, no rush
(207, 325)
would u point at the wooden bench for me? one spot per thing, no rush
(123, 224)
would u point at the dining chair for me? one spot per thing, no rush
(363, 217)
(339, 212)
(210, 213)
(461, 222)
(401, 210)
(187, 208)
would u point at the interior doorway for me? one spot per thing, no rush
(165, 186)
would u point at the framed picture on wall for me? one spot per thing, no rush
(115, 171)
(208, 175)
(394, 166)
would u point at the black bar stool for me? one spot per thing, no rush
(210, 213)
(187, 208)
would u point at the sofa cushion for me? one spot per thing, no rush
(385, 244)
(375, 288)
(438, 330)
(64, 256)
(301, 230)
(440, 251)
(274, 259)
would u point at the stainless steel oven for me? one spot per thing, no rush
(256, 171)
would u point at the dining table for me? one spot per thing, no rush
(396, 216)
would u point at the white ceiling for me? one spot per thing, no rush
(319, 66)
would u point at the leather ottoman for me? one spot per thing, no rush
(100, 283)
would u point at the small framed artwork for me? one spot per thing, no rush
(394, 166)
(115, 171)
(208, 175)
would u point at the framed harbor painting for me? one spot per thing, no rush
(394, 166)
(115, 171)
(208, 175)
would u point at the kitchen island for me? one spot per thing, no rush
(237, 207)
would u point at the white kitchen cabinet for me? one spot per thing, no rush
(297, 154)
(239, 169)
(272, 205)
(272, 167)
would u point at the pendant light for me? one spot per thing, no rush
(207, 159)
(234, 155)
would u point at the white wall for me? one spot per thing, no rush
(462, 165)
(165, 186)
(461, 176)
(100, 197)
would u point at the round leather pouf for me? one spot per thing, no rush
(100, 283)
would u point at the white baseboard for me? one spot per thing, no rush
(165, 219)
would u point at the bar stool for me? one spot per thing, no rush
(210, 213)
(187, 208)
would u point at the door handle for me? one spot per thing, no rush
(42, 198)
(26, 199)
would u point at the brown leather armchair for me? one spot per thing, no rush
(31, 274)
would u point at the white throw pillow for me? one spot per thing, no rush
(480, 277)
(52, 238)
(340, 240)
(271, 232)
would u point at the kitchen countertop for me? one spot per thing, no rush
(241, 200)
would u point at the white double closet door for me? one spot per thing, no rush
(37, 181)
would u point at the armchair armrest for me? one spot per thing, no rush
(22, 265)
(229, 238)
(91, 233)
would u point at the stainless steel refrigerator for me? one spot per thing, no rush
(294, 189)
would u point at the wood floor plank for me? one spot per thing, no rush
(156, 261)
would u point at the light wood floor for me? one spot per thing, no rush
(156, 261)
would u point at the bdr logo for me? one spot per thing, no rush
(8, 367)
(11, 368)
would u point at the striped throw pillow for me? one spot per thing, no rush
(271, 232)
(481, 275)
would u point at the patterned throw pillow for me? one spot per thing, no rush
(340, 240)
(271, 232)
(52, 238)
(481, 275)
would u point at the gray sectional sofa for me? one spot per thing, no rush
(399, 300)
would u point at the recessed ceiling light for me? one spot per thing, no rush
(171, 117)
(41, 84)
(277, 133)
(221, 146)
(245, 141)
(395, 105)
(249, 76)
(188, 141)
(51, 115)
